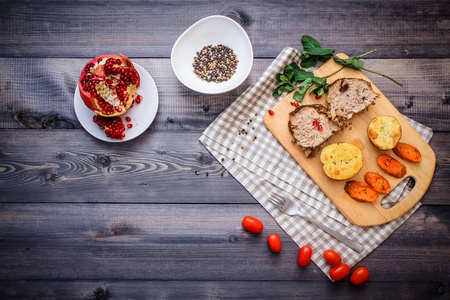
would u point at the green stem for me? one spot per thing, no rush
(329, 75)
(383, 76)
(366, 53)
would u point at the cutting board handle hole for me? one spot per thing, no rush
(398, 193)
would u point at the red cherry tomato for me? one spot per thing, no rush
(274, 242)
(332, 257)
(304, 256)
(252, 224)
(359, 276)
(339, 272)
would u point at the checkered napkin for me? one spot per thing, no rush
(239, 139)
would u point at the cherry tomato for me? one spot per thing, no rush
(304, 256)
(274, 242)
(252, 224)
(332, 257)
(339, 272)
(359, 276)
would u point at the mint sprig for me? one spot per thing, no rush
(313, 52)
(295, 78)
(356, 63)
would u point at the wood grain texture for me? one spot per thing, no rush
(192, 242)
(143, 289)
(157, 167)
(150, 28)
(38, 93)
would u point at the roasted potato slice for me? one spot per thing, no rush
(360, 191)
(407, 152)
(391, 166)
(377, 182)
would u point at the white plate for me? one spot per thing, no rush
(142, 114)
(213, 30)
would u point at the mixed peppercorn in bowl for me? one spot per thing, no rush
(213, 56)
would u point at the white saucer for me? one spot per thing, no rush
(142, 114)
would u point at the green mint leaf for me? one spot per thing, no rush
(298, 96)
(284, 78)
(351, 62)
(289, 72)
(304, 86)
(302, 75)
(321, 51)
(305, 54)
(277, 77)
(319, 80)
(310, 62)
(308, 42)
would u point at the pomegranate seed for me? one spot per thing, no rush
(320, 128)
(128, 119)
(315, 123)
(113, 127)
(138, 99)
(129, 125)
(271, 112)
(296, 104)
(318, 97)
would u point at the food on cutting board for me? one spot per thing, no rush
(310, 127)
(407, 152)
(391, 166)
(341, 161)
(252, 224)
(108, 84)
(348, 96)
(384, 132)
(377, 182)
(360, 191)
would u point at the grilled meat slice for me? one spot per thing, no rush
(348, 96)
(310, 127)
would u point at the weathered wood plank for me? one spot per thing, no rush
(38, 93)
(192, 242)
(139, 289)
(150, 28)
(157, 167)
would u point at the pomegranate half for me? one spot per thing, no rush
(108, 84)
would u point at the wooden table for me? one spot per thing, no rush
(82, 218)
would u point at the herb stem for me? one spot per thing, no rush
(329, 75)
(383, 76)
(366, 53)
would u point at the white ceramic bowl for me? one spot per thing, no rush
(213, 30)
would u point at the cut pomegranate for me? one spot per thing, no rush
(108, 84)
(112, 126)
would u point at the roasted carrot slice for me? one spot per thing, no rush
(392, 166)
(407, 152)
(377, 182)
(360, 191)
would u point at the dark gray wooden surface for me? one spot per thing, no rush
(85, 219)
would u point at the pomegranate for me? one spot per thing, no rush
(108, 84)
(112, 126)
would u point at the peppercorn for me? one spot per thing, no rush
(215, 63)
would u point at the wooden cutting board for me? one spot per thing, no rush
(358, 213)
